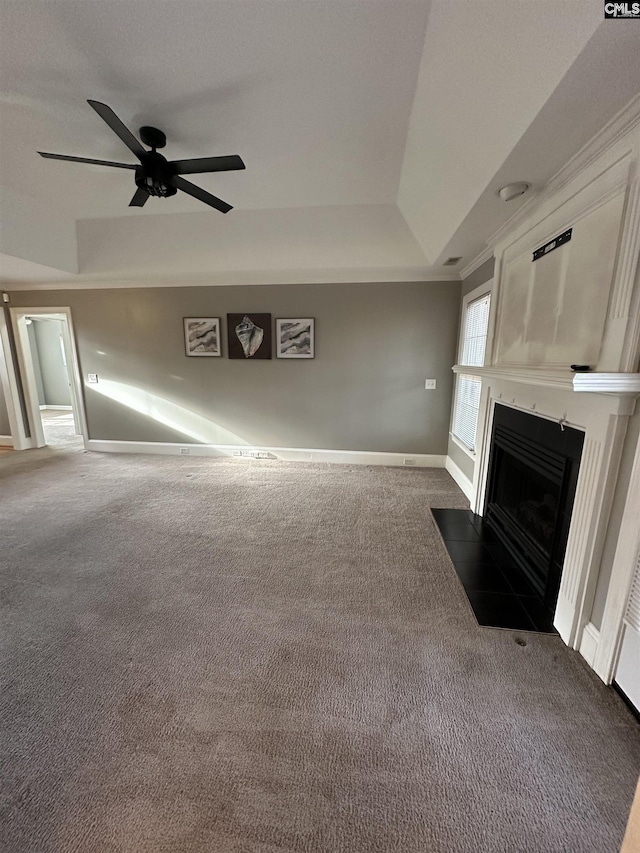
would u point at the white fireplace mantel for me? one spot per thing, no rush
(608, 383)
(550, 377)
(625, 386)
(602, 416)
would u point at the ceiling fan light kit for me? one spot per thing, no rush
(156, 175)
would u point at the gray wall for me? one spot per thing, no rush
(55, 379)
(460, 457)
(375, 346)
(479, 276)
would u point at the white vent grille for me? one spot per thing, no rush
(632, 616)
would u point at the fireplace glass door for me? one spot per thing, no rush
(533, 474)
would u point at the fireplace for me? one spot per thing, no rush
(533, 472)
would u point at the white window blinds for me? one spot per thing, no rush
(474, 339)
(475, 331)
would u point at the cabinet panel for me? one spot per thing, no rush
(553, 311)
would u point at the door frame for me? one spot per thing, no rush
(25, 364)
(8, 381)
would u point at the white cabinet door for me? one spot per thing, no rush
(628, 669)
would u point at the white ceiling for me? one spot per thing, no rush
(373, 130)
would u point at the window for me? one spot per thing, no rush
(475, 320)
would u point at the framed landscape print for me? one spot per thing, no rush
(295, 338)
(249, 335)
(202, 336)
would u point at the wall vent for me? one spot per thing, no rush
(451, 262)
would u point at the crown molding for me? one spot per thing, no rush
(243, 279)
(620, 125)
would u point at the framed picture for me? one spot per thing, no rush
(295, 338)
(202, 336)
(249, 335)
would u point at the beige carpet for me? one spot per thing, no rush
(59, 430)
(257, 657)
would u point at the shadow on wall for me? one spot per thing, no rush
(169, 414)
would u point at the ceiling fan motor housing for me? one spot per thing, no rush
(153, 175)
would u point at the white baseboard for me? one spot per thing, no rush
(287, 454)
(461, 479)
(57, 408)
(6, 441)
(589, 643)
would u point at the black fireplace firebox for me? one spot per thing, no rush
(533, 472)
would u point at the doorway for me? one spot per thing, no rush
(51, 378)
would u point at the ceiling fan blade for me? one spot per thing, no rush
(139, 198)
(108, 115)
(86, 160)
(207, 164)
(200, 194)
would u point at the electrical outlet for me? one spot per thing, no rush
(184, 451)
(430, 384)
(92, 378)
(409, 460)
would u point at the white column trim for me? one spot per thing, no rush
(624, 563)
(594, 495)
(589, 643)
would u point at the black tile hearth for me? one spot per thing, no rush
(518, 582)
(499, 610)
(482, 578)
(537, 611)
(468, 551)
(498, 591)
(459, 532)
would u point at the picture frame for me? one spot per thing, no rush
(295, 337)
(202, 337)
(249, 336)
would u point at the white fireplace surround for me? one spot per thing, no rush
(542, 320)
(603, 419)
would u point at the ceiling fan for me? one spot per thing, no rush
(156, 175)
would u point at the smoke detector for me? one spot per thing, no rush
(512, 191)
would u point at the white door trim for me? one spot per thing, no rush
(8, 381)
(25, 362)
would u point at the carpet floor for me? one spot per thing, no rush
(258, 657)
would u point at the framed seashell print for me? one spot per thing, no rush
(249, 335)
(202, 336)
(295, 338)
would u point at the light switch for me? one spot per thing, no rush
(92, 378)
(430, 384)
